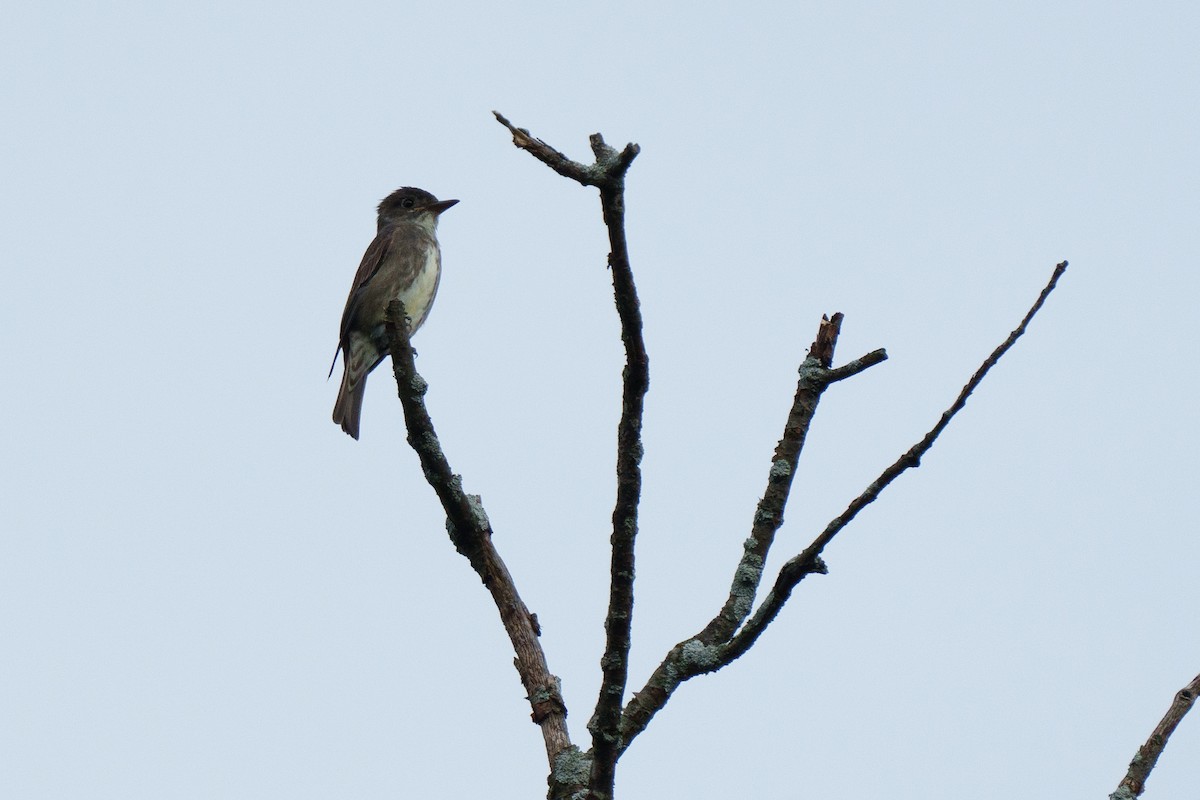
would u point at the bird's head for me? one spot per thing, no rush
(410, 203)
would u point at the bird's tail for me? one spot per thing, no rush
(348, 408)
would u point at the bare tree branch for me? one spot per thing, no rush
(610, 166)
(1134, 782)
(471, 533)
(700, 653)
(734, 629)
(608, 174)
(707, 651)
(809, 560)
(768, 517)
(912, 458)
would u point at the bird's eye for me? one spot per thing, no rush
(407, 202)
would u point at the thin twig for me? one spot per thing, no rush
(608, 174)
(471, 533)
(1134, 782)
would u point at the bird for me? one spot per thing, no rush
(403, 262)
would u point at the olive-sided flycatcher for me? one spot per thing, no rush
(403, 263)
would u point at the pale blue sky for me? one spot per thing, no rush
(207, 590)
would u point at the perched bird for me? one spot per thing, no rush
(403, 263)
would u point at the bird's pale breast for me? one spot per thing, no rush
(418, 297)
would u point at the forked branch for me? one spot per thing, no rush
(717, 644)
(709, 649)
(807, 561)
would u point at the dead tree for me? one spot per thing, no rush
(574, 772)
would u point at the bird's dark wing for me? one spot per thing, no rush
(372, 260)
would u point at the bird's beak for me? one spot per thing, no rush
(441, 206)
